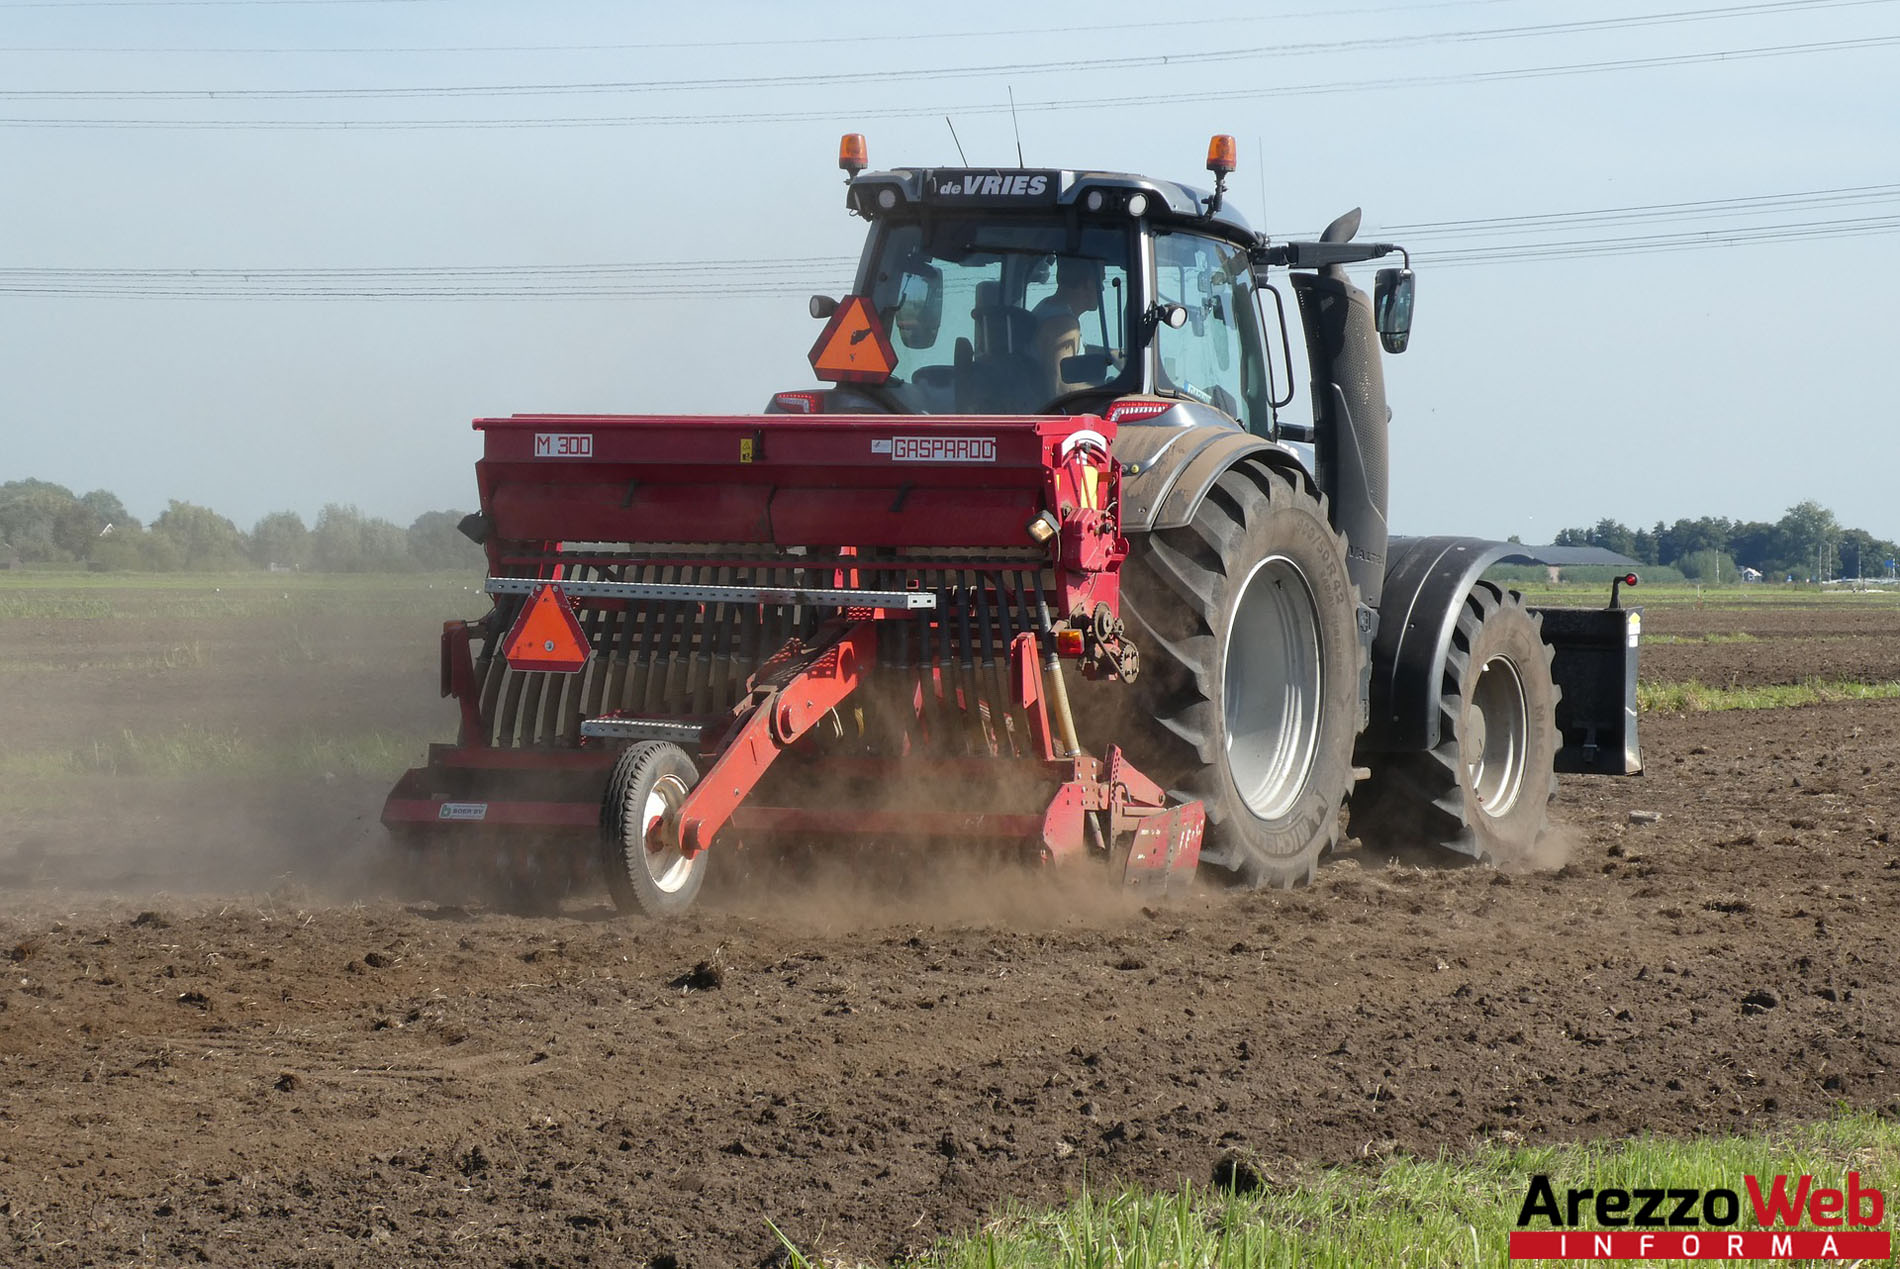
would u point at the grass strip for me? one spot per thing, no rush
(201, 596)
(1740, 636)
(1694, 697)
(177, 656)
(1594, 595)
(1450, 1211)
(194, 751)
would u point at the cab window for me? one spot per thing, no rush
(1003, 316)
(1217, 357)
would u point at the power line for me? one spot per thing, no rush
(185, 4)
(647, 266)
(804, 269)
(830, 78)
(1653, 244)
(1120, 101)
(1845, 196)
(682, 279)
(794, 41)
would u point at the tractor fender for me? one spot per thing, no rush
(1167, 470)
(1426, 581)
(1180, 465)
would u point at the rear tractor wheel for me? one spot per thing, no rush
(640, 851)
(1485, 790)
(1247, 623)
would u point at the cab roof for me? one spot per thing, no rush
(902, 191)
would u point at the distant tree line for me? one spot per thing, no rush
(1806, 543)
(41, 522)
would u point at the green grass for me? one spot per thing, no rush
(1694, 697)
(201, 596)
(177, 656)
(196, 751)
(34, 780)
(1740, 636)
(1756, 596)
(1451, 1211)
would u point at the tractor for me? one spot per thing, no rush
(1072, 556)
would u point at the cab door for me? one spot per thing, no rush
(1218, 356)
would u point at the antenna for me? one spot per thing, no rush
(1260, 161)
(1016, 125)
(953, 137)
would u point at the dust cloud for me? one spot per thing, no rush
(1552, 850)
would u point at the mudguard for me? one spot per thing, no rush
(1594, 665)
(1171, 461)
(1426, 581)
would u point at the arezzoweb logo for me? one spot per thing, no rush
(1787, 1218)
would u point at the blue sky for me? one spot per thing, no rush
(1538, 393)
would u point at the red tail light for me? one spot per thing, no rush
(800, 402)
(1134, 411)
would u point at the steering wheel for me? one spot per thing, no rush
(1062, 403)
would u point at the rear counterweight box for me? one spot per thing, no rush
(1595, 666)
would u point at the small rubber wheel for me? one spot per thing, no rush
(647, 873)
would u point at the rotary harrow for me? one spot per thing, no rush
(863, 625)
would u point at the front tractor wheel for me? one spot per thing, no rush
(640, 850)
(1485, 790)
(1248, 697)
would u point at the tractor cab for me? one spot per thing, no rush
(1026, 291)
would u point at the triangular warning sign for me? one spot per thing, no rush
(854, 347)
(546, 635)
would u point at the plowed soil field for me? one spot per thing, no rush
(221, 1041)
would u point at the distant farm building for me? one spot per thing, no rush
(1559, 558)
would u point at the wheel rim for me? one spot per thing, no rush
(1497, 728)
(1271, 681)
(667, 867)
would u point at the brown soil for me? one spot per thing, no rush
(1786, 644)
(216, 1042)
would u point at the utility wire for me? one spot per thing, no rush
(737, 279)
(1649, 211)
(1754, 204)
(1018, 69)
(1577, 249)
(1698, 209)
(1172, 24)
(857, 113)
(185, 4)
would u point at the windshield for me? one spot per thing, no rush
(994, 316)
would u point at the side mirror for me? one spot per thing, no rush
(1173, 316)
(1392, 292)
(822, 306)
(919, 305)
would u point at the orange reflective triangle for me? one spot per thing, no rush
(546, 636)
(854, 347)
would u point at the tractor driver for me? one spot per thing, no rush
(1058, 319)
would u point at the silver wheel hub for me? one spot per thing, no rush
(668, 867)
(1271, 687)
(1495, 737)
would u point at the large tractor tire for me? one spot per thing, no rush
(641, 809)
(1485, 790)
(1248, 698)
